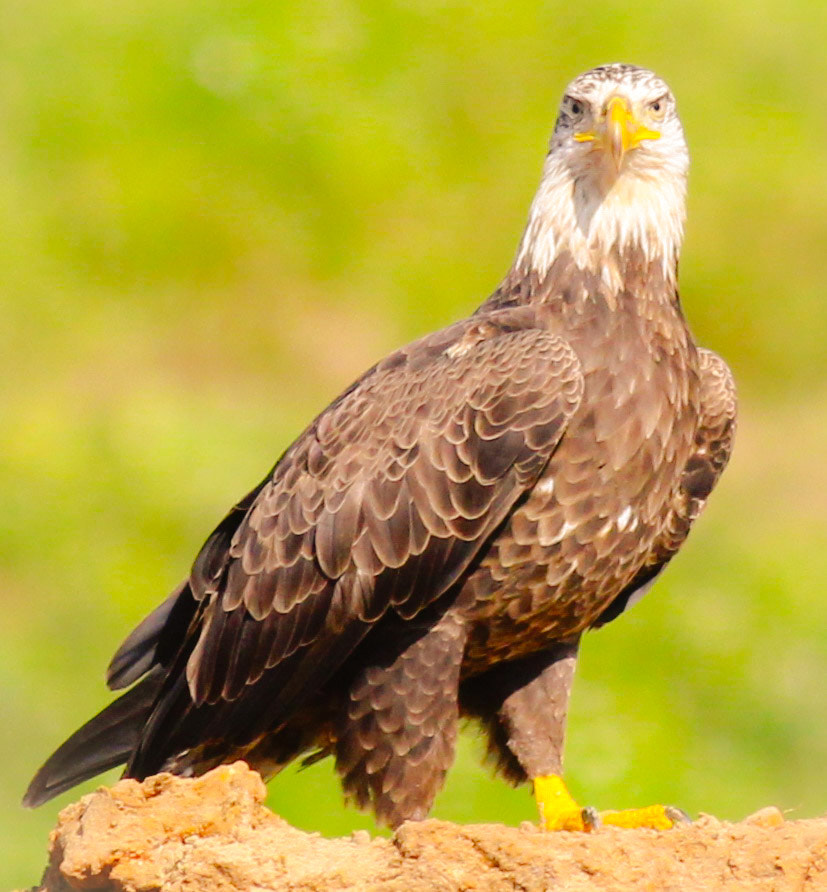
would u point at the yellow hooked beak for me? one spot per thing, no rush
(619, 131)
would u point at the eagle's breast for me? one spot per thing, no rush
(590, 522)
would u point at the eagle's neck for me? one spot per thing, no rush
(608, 226)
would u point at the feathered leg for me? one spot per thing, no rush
(399, 723)
(524, 706)
(534, 716)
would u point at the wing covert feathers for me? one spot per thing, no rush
(385, 499)
(714, 437)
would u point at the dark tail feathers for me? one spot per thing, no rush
(103, 742)
(138, 654)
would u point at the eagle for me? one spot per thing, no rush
(433, 546)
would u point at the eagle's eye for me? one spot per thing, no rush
(576, 107)
(658, 107)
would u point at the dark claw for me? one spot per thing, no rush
(677, 815)
(591, 818)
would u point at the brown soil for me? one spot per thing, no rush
(213, 833)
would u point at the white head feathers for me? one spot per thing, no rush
(614, 180)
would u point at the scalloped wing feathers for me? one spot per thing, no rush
(385, 499)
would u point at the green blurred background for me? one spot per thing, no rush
(214, 215)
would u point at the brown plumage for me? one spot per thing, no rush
(435, 543)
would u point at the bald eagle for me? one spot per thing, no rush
(436, 542)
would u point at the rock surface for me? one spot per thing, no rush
(213, 833)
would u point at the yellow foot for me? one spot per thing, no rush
(559, 811)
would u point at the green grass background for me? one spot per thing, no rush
(214, 215)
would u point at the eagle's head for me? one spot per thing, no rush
(614, 181)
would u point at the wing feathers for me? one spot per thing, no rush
(381, 504)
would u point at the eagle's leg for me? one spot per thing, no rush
(532, 697)
(533, 717)
(398, 727)
(522, 705)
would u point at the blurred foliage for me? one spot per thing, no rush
(215, 215)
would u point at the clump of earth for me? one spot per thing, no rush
(170, 834)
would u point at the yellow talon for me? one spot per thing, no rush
(559, 811)
(654, 816)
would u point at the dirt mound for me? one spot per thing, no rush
(213, 833)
